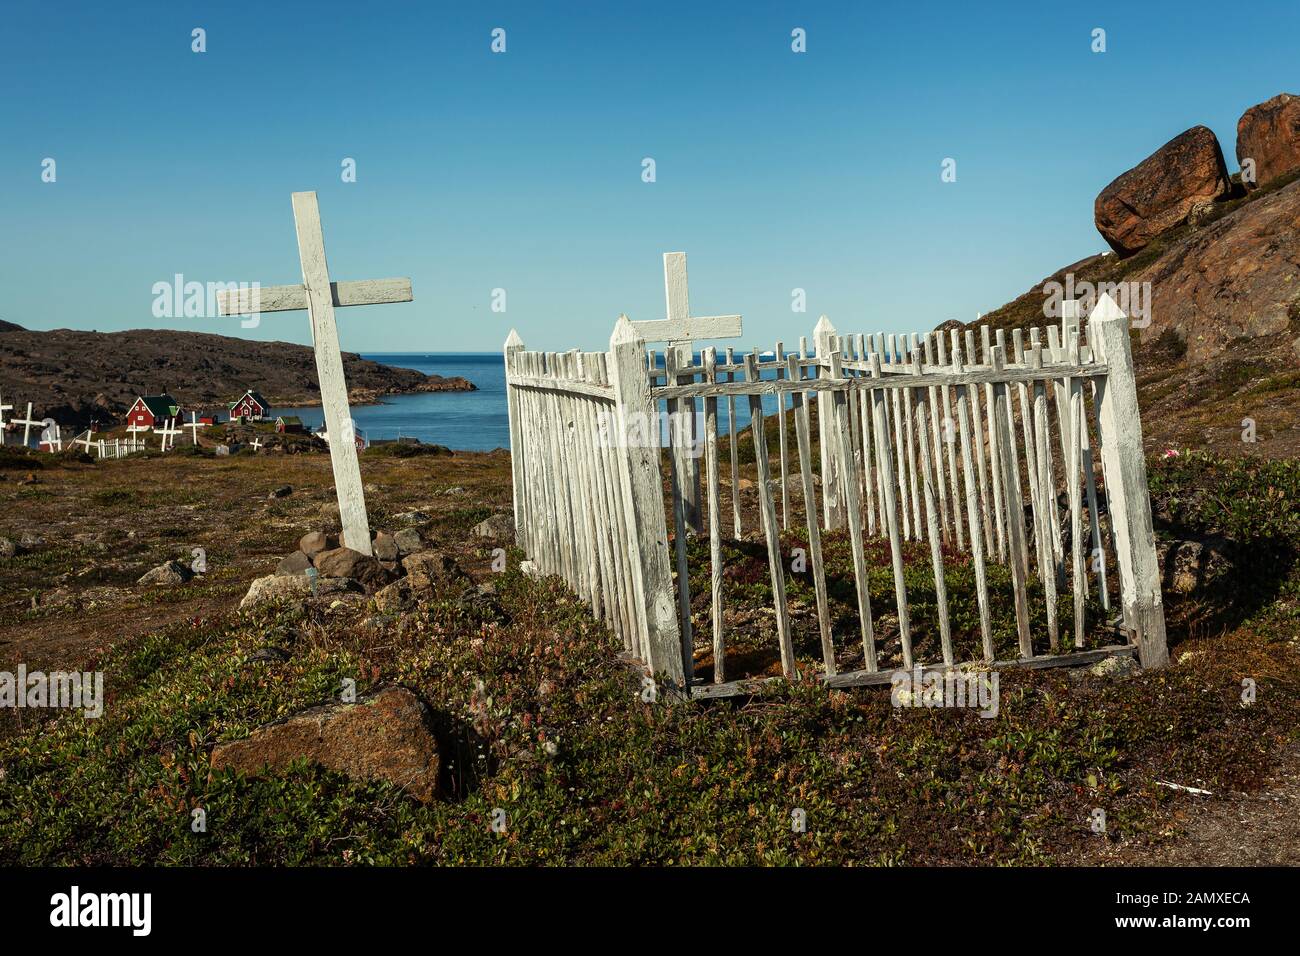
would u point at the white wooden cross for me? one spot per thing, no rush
(27, 424)
(168, 431)
(319, 297)
(255, 444)
(194, 425)
(680, 330)
(3, 408)
(85, 442)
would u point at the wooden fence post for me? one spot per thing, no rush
(1124, 466)
(636, 447)
(514, 345)
(832, 505)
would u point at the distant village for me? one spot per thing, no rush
(159, 419)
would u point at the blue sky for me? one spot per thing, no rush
(523, 170)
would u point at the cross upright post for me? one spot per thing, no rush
(3, 408)
(194, 425)
(318, 295)
(680, 330)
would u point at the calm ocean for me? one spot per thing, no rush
(470, 421)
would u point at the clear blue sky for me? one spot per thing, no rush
(522, 171)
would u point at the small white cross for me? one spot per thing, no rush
(27, 424)
(194, 425)
(86, 443)
(255, 444)
(168, 431)
(3, 408)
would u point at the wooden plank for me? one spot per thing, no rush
(802, 428)
(1012, 489)
(832, 505)
(1074, 398)
(862, 399)
(1046, 501)
(853, 517)
(977, 418)
(1015, 514)
(936, 437)
(711, 480)
(932, 489)
(782, 449)
(1052, 511)
(891, 513)
(771, 531)
(863, 678)
(289, 298)
(1031, 457)
(964, 397)
(563, 385)
(950, 442)
(1124, 468)
(622, 545)
(912, 426)
(735, 456)
(897, 429)
(680, 450)
(513, 346)
(647, 531)
(996, 471)
(692, 329)
(329, 371)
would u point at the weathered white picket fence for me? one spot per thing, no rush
(983, 454)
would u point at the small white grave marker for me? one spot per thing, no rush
(194, 425)
(3, 408)
(168, 431)
(319, 296)
(255, 444)
(27, 424)
(86, 442)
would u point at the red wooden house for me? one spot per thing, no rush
(151, 410)
(250, 407)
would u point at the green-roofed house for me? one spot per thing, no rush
(289, 424)
(151, 410)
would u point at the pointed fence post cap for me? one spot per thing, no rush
(1106, 309)
(513, 341)
(823, 325)
(624, 332)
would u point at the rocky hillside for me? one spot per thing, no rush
(76, 376)
(1215, 264)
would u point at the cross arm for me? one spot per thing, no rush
(690, 330)
(286, 298)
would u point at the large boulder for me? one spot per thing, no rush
(1269, 134)
(1160, 192)
(346, 563)
(314, 542)
(383, 736)
(296, 563)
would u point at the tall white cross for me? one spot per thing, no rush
(3, 408)
(194, 425)
(27, 424)
(680, 330)
(85, 442)
(319, 297)
(168, 431)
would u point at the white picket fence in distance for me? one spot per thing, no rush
(957, 444)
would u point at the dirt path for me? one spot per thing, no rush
(1234, 829)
